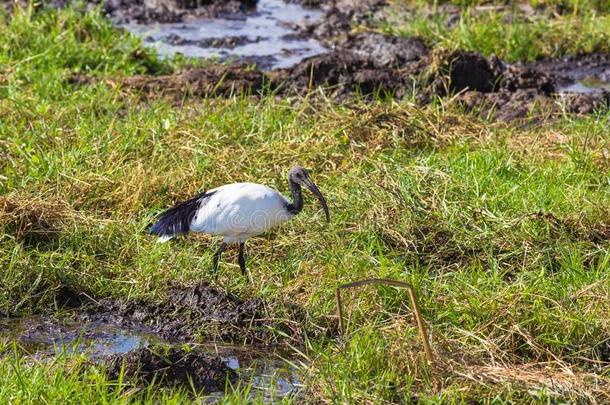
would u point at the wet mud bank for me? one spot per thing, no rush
(196, 313)
(296, 47)
(140, 356)
(171, 365)
(202, 312)
(169, 341)
(488, 86)
(372, 64)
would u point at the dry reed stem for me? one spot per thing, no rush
(414, 303)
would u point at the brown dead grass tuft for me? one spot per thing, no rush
(30, 220)
(36, 220)
(555, 379)
(376, 127)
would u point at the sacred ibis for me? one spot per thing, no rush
(237, 212)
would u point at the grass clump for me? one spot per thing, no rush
(508, 34)
(560, 6)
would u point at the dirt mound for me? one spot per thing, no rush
(345, 74)
(514, 78)
(217, 80)
(461, 71)
(165, 11)
(505, 92)
(385, 50)
(587, 103)
(172, 366)
(194, 311)
(340, 16)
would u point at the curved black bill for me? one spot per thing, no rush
(314, 189)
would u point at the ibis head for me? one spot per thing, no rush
(300, 176)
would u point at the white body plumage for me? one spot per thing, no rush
(239, 211)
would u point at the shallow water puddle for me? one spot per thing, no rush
(43, 337)
(585, 85)
(264, 37)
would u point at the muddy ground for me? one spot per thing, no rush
(168, 340)
(195, 312)
(188, 313)
(500, 91)
(369, 64)
(171, 365)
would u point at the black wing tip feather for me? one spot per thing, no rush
(177, 219)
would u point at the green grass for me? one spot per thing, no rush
(503, 230)
(562, 6)
(508, 34)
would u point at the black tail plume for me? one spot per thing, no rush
(177, 220)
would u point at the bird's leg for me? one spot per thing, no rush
(222, 248)
(241, 259)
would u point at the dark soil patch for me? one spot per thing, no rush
(340, 16)
(344, 74)
(217, 80)
(199, 311)
(165, 11)
(461, 71)
(172, 366)
(386, 50)
(225, 42)
(506, 92)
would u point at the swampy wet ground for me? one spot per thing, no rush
(295, 48)
(137, 351)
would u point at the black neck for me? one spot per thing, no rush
(297, 198)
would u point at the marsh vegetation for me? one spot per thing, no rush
(493, 202)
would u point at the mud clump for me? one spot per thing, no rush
(505, 92)
(172, 366)
(465, 71)
(340, 16)
(386, 50)
(586, 103)
(188, 312)
(218, 80)
(167, 11)
(514, 78)
(365, 64)
(461, 71)
(344, 74)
